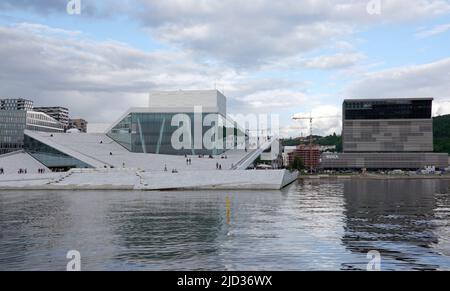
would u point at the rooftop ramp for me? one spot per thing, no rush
(77, 150)
(98, 150)
(12, 162)
(251, 156)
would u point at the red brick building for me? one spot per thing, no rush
(308, 156)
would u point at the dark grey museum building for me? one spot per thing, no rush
(386, 134)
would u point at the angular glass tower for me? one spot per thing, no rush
(159, 128)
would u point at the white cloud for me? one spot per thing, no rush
(231, 43)
(337, 61)
(272, 99)
(327, 119)
(441, 107)
(426, 80)
(248, 33)
(98, 80)
(438, 29)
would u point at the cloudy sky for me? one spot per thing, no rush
(283, 57)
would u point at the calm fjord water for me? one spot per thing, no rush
(307, 226)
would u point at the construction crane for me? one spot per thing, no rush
(311, 141)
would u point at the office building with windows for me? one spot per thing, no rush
(60, 114)
(79, 124)
(39, 121)
(13, 124)
(392, 125)
(386, 134)
(16, 104)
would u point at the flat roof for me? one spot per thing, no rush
(389, 99)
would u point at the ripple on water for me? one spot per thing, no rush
(308, 226)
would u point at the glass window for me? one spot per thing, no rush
(388, 109)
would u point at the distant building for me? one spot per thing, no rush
(13, 124)
(286, 151)
(329, 148)
(18, 115)
(58, 113)
(12, 127)
(16, 104)
(310, 157)
(387, 125)
(386, 134)
(79, 124)
(39, 121)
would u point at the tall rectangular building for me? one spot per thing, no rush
(79, 124)
(386, 134)
(13, 123)
(16, 104)
(388, 125)
(12, 126)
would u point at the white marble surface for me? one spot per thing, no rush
(78, 179)
(11, 163)
(137, 171)
(96, 148)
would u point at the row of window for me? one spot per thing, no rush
(13, 131)
(14, 146)
(420, 109)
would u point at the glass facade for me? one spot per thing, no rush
(60, 114)
(387, 109)
(14, 122)
(50, 157)
(38, 121)
(12, 126)
(153, 133)
(16, 104)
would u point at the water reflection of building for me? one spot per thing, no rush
(193, 230)
(393, 217)
(32, 230)
(154, 232)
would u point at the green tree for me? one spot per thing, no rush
(441, 132)
(297, 164)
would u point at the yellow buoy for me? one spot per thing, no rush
(228, 209)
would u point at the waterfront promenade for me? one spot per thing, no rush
(135, 179)
(375, 177)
